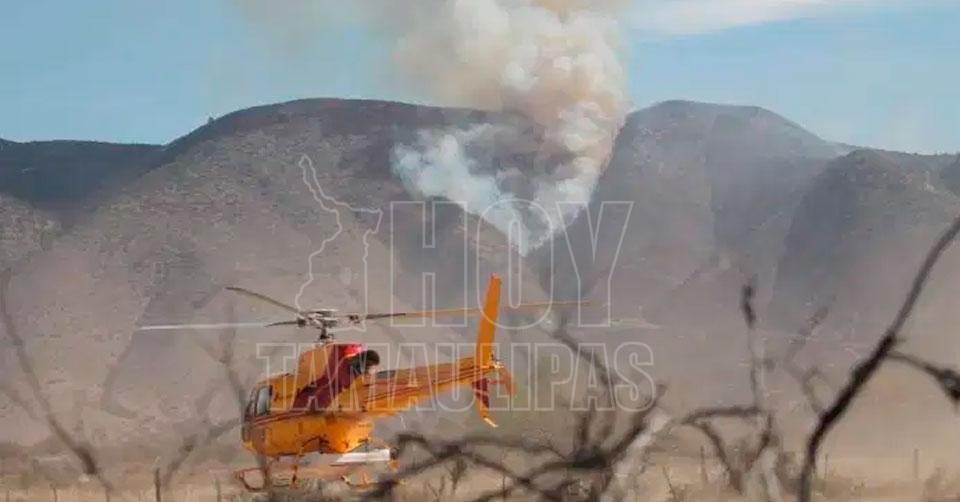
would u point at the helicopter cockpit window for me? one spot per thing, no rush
(263, 400)
(251, 404)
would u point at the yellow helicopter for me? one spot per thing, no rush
(329, 407)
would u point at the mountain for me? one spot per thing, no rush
(706, 198)
(950, 175)
(61, 175)
(859, 235)
(260, 198)
(712, 190)
(23, 230)
(46, 185)
(855, 243)
(695, 202)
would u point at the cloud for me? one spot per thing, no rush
(689, 17)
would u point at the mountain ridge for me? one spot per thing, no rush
(719, 194)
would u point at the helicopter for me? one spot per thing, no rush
(328, 408)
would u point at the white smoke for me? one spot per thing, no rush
(553, 62)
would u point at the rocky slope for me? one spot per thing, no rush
(697, 200)
(47, 185)
(23, 230)
(858, 236)
(855, 243)
(260, 198)
(64, 175)
(711, 189)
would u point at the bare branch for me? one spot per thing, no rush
(866, 369)
(734, 474)
(81, 451)
(947, 379)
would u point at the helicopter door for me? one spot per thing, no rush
(257, 405)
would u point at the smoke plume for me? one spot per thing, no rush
(551, 64)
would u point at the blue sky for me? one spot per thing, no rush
(881, 73)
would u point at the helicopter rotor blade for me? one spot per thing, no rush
(220, 325)
(453, 312)
(302, 324)
(264, 298)
(284, 323)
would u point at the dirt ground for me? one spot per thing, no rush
(667, 479)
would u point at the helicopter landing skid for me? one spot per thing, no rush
(323, 467)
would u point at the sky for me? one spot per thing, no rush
(878, 73)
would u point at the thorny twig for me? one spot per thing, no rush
(80, 450)
(758, 413)
(14, 397)
(805, 378)
(947, 378)
(196, 441)
(699, 419)
(866, 369)
(734, 473)
(597, 452)
(209, 432)
(227, 359)
(674, 495)
(546, 479)
(767, 451)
